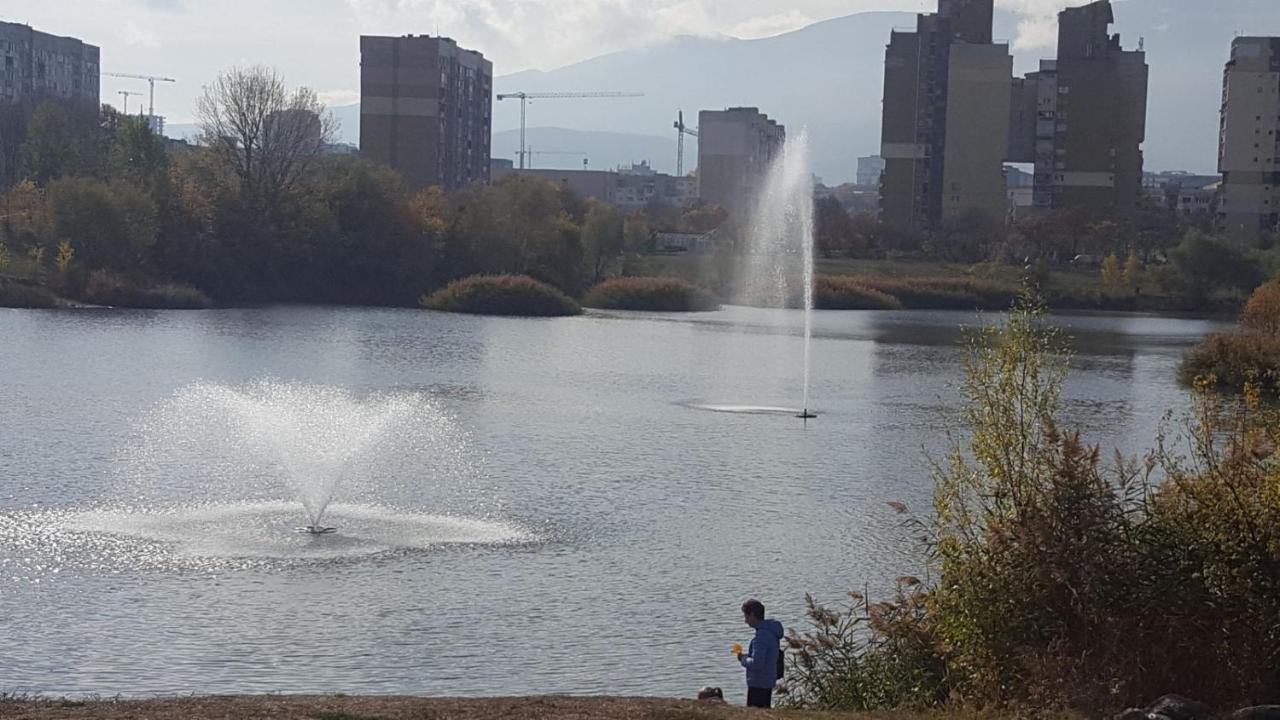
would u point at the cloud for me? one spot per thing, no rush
(1038, 26)
(133, 34)
(338, 98)
(771, 24)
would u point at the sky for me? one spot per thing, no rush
(316, 42)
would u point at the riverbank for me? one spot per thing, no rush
(347, 707)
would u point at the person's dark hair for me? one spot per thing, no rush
(710, 693)
(754, 608)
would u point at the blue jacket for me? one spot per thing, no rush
(761, 659)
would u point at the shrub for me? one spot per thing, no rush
(501, 295)
(943, 293)
(20, 295)
(106, 288)
(1063, 581)
(661, 294)
(1230, 360)
(1262, 312)
(835, 292)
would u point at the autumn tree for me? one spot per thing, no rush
(268, 136)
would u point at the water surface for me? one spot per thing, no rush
(617, 505)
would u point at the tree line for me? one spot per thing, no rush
(258, 210)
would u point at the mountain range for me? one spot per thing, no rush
(827, 79)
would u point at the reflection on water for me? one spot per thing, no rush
(597, 501)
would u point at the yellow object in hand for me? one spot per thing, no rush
(737, 648)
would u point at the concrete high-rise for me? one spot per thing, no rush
(35, 65)
(735, 149)
(945, 129)
(1248, 150)
(425, 109)
(1082, 118)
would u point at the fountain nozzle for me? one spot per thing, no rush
(317, 530)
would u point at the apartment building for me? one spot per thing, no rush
(736, 146)
(425, 109)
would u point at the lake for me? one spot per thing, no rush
(564, 510)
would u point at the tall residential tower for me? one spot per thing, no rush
(735, 149)
(425, 109)
(35, 65)
(1249, 142)
(945, 128)
(1082, 118)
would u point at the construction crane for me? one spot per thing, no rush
(125, 94)
(525, 97)
(151, 80)
(681, 131)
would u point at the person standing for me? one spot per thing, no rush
(762, 657)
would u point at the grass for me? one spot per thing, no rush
(105, 288)
(835, 292)
(501, 295)
(14, 294)
(312, 707)
(660, 294)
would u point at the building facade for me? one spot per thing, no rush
(946, 112)
(1082, 118)
(736, 146)
(35, 65)
(425, 109)
(634, 188)
(1249, 140)
(869, 170)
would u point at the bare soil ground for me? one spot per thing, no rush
(340, 707)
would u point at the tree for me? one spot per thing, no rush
(1262, 312)
(832, 228)
(1112, 274)
(1206, 264)
(269, 137)
(111, 225)
(702, 218)
(138, 155)
(62, 139)
(602, 240)
(1132, 269)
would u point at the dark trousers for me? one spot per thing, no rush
(759, 697)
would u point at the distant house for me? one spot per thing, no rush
(692, 243)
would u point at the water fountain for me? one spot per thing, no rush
(777, 258)
(222, 473)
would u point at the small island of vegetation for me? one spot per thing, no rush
(659, 294)
(501, 295)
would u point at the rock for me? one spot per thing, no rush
(1176, 707)
(1261, 712)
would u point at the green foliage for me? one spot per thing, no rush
(19, 295)
(836, 292)
(107, 288)
(1206, 264)
(138, 155)
(501, 295)
(61, 139)
(112, 225)
(658, 294)
(603, 243)
(1066, 582)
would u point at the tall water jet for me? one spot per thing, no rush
(777, 260)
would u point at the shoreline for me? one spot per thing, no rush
(373, 707)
